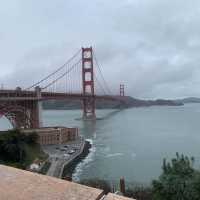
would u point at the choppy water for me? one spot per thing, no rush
(132, 142)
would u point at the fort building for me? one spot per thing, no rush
(54, 135)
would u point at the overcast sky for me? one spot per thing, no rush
(152, 46)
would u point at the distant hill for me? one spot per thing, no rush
(188, 100)
(105, 104)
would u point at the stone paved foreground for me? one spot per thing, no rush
(115, 197)
(18, 184)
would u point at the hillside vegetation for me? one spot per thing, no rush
(106, 104)
(18, 149)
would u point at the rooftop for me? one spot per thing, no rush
(47, 129)
(16, 184)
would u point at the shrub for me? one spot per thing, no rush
(12, 145)
(179, 180)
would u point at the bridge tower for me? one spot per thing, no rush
(121, 90)
(88, 84)
(36, 111)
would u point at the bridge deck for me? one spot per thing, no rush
(15, 95)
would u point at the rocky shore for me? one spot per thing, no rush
(71, 166)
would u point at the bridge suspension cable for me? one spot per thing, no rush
(61, 76)
(54, 72)
(99, 84)
(107, 89)
(70, 83)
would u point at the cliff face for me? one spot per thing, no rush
(103, 104)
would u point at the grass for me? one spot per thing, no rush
(34, 152)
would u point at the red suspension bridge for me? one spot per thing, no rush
(79, 78)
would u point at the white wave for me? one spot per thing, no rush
(106, 149)
(133, 155)
(95, 135)
(79, 168)
(90, 141)
(114, 155)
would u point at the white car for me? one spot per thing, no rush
(71, 151)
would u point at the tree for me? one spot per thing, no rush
(178, 181)
(13, 143)
(31, 138)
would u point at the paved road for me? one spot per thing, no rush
(60, 155)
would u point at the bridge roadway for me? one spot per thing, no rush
(23, 95)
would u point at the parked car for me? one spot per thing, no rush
(63, 149)
(66, 155)
(71, 151)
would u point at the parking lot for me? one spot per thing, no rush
(61, 154)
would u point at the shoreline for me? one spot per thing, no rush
(69, 168)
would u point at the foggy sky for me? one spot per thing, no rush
(152, 46)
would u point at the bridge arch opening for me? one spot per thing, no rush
(5, 123)
(17, 115)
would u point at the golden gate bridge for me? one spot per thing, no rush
(79, 78)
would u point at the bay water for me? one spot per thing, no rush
(132, 142)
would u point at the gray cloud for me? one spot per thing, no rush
(150, 45)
